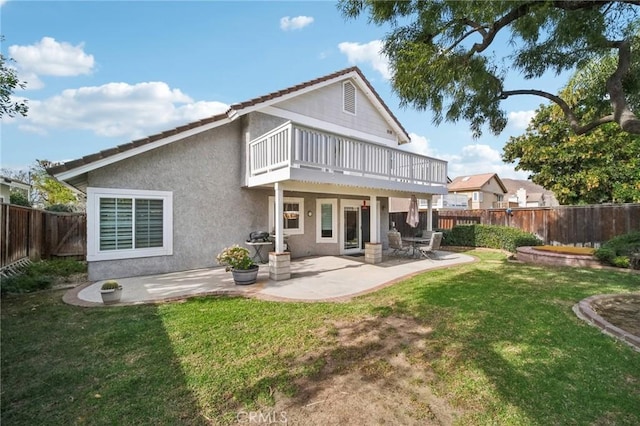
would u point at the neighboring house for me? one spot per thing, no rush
(484, 191)
(524, 193)
(7, 184)
(439, 202)
(314, 163)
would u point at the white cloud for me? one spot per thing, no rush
(419, 145)
(119, 110)
(520, 119)
(369, 53)
(287, 23)
(49, 57)
(479, 158)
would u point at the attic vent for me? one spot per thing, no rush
(349, 97)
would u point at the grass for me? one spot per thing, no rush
(505, 349)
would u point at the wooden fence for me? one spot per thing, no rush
(38, 234)
(589, 225)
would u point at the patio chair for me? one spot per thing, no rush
(395, 243)
(433, 246)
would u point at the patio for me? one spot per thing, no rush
(322, 278)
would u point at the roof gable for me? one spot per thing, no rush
(474, 182)
(85, 164)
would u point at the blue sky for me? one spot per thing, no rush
(104, 73)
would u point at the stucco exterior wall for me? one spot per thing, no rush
(327, 104)
(211, 210)
(306, 245)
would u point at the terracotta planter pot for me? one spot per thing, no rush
(245, 276)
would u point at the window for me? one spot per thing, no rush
(326, 220)
(349, 97)
(477, 196)
(293, 209)
(128, 223)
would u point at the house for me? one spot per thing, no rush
(7, 184)
(438, 202)
(313, 164)
(483, 191)
(524, 193)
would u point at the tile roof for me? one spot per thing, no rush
(473, 182)
(235, 108)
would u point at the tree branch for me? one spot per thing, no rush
(627, 120)
(566, 109)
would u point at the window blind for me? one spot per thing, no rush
(116, 223)
(326, 219)
(148, 223)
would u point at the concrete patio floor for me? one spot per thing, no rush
(323, 278)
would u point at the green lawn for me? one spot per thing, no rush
(505, 348)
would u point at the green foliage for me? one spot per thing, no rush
(597, 167)
(497, 341)
(51, 191)
(18, 198)
(442, 56)
(617, 251)
(65, 208)
(9, 82)
(41, 275)
(110, 285)
(235, 257)
(490, 236)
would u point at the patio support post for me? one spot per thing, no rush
(430, 213)
(279, 213)
(373, 249)
(374, 220)
(279, 261)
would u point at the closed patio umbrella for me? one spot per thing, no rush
(413, 218)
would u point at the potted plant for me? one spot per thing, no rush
(110, 292)
(237, 260)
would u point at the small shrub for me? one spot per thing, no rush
(490, 236)
(19, 199)
(618, 250)
(235, 257)
(63, 208)
(41, 275)
(110, 285)
(621, 261)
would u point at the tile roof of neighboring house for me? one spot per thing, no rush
(474, 182)
(233, 110)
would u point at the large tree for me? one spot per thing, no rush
(444, 57)
(600, 166)
(46, 191)
(9, 82)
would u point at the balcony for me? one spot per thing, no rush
(292, 152)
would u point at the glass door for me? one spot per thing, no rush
(351, 232)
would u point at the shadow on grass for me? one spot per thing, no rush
(510, 333)
(68, 365)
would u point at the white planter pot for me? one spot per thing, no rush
(112, 296)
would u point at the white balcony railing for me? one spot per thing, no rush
(294, 146)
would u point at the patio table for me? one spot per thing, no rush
(415, 242)
(257, 247)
